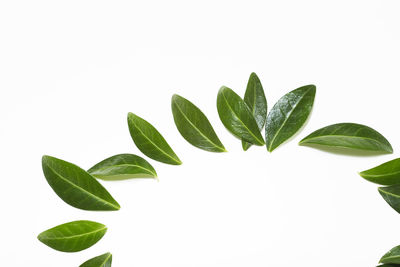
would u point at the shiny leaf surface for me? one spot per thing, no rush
(392, 257)
(288, 115)
(385, 174)
(104, 260)
(391, 194)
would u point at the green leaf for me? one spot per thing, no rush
(76, 187)
(389, 265)
(121, 167)
(150, 141)
(99, 261)
(392, 257)
(256, 101)
(194, 125)
(391, 194)
(349, 136)
(288, 115)
(73, 236)
(385, 174)
(237, 117)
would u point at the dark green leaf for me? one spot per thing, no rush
(256, 101)
(150, 141)
(389, 265)
(75, 186)
(349, 135)
(237, 117)
(385, 174)
(392, 257)
(194, 125)
(73, 236)
(391, 194)
(99, 261)
(288, 115)
(121, 167)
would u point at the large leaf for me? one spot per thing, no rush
(350, 136)
(99, 261)
(392, 257)
(73, 236)
(391, 194)
(237, 117)
(194, 125)
(385, 174)
(255, 99)
(150, 141)
(121, 167)
(288, 115)
(76, 187)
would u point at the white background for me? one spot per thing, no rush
(71, 70)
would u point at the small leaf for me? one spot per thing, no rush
(99, 261)
(73, 236)
(256, 101)
(121, 167)
(391, 194)
(385, 174)
(76, 187)
(194, 125)
(150, 141)
(392, 257)
(288, 115)
(237, 117)
(349, 135)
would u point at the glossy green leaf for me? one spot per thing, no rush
(121, 167)
(288, 115)
(73, 236)
(392, 257)
(389, 265)
(150, 141)
(76, 186)
(385, 174)
(391, 194)
(256, 101)
(350, 136)
(194, 125)
(237, 117)
(99, 261)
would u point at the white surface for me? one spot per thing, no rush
(70, 71)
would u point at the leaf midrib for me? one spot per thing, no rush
(123, 165)
(76, 236)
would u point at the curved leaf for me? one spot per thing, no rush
(288, 115)
(76, 187)
(391, 194)
(385, 174)
(237, 117)
(99, 261)
(121, 167)
(349, 135)
(73, 236)
(194, 125)
(256, 101)
(392, 257)
(150, 141)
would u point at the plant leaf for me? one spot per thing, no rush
(150, 141)
(256, 101)
(349, 135)
(73, 236)
(99, 261)
(288, 115)
(392, 257)
(194, 125)
(391, 194)
(237, 117)
(121, 167)
(385, 174)
(76, 187)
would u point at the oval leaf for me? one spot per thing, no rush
(288, 115)
(385, 174)
(150, 141)
(121, 167)
(392, 257)
(256, 101)
(237, 117)
(350, 136)
(73, 236)
(391, 194)
(99, 261)
(194, 125)
(76, 187)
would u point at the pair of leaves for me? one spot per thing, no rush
(73, 236)
(392, 258)
(103, 260)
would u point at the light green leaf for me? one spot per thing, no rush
(391, 194)
(385, 174)
(99, 261)
(392, 257)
